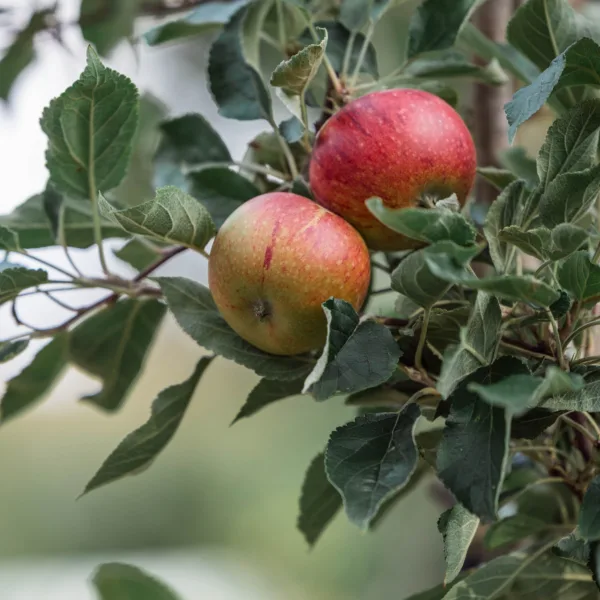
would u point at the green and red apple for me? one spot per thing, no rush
(275, 260)
(406, 146)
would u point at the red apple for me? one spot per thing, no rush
(401, 145)
(275, 260)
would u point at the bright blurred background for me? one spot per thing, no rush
(215, 515)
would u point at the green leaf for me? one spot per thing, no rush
(504, 212)
(522, 392)
(548, 577)
(571, 143)
(221, 191)
(578, 65)
(458, 528)
(593, 563)
(436, 24)
(569, 196)
(528, 100)
(586, 398)
(268, 391)
(206, 17)
(413, 277)
(338, 40)
(319, 501)
(355, 14)
(30, 222)
(532, 242)
(436, 593)
(90, 128)
(187, 141)
(194, 309)
(14, 279)
(141, 447)
(238, 89)
(115, 24)
(589, 515)
(425, 225)
(8, 240)
(291, 129)
(125, 582)
(580, 276)
(514, 393)
(21, 52)
(112, 345)
(573, 548)
(528, 289)
(357, 356)
(294, 75)
(8, 350)
(36, 380)
(480, 338)
(521, 164)
(138, 254)
(472, 455)
(454, 65)
(512, 529)
(371, 459)
(544, 243)
(173, 217)
(499, 178)
(542, 29)
(256, 14)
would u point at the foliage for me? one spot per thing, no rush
(491, 334)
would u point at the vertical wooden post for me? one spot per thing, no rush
(491, 127)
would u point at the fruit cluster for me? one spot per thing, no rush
(278, 257)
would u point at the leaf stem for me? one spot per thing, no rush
(62, 240)
(16, 337)
(48, 264)
(271, 41)
(559, 348)
(306, 135)
(335, 80)
(98, 229)
(263, 170)
(422, 339)
(583, 430)
(590, 419)
(596, 254)
(526, 351)
(586, 360)
(281, 25)
(378, 265)
(363, 53)
(579, 329)
(348, 54)
(291, 161)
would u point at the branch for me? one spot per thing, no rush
(107, 300)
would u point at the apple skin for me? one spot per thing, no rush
(397, 144)
(275, 260)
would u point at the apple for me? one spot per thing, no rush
(275, 260)
(406, 146)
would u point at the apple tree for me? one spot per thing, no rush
(483, 370)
